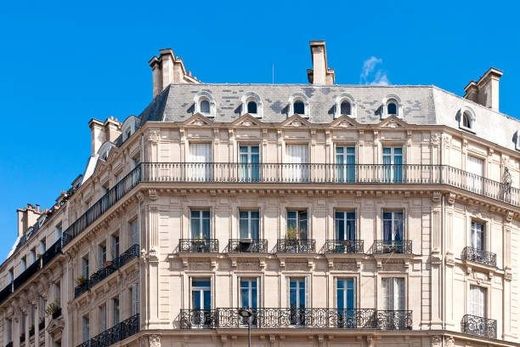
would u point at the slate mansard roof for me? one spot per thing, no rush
(423, 105)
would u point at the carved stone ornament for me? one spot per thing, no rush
(154, 340)
(436, 341)
(450, 342)
(153, 136)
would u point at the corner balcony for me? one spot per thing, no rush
(247, 246)
(198, 246)
(115, 334)
(109, 268)
(479, 256)
(479, 326)
(344, 247)
(295, 246)
(311, 318)
(397, 247)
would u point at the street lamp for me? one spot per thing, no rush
(247, 314)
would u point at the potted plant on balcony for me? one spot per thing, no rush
(80, 281)
(53, 309)
(200, 244)
(291, 240)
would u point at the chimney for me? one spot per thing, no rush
(112, 129)
(27, 216)
(168, 69)
(320, 74)
(486, 90)
(97, 135)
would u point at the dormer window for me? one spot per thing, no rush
(252, 107)
(467, 120)
(392, 107)
(204, 104)
(299, 107)
(252, 104)
(205, 107)
(345, 108)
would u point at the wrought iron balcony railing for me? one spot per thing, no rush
(247, 246)
(198, 246)
(479, 256)
(109, 268)
(399, 247)
(344, 246)
(265, 318)
(117, 333)
(475, 325)
(293, 246)
(9, 344)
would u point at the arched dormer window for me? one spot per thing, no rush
(392, 107)
(345, 106)
(252, 104)
(129, 127)
(467, 119)
(298, 105)
(204, 104)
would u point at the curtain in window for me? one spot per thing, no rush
(393, 226)
(477, 235)
(296, 158)
(475, 168)
(199, 156)
(200, 224)
(393, 293)
(477, 305)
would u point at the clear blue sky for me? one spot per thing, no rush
(62, 63)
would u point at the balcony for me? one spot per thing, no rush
(198, 246)
(398, 247)
(479, 256)
(115, 334)
(314, 318)
(293, 246)
(344, 247)
(247, 246)
(480, 326)
(109, 268)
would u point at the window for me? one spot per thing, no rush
(252, 107)
(477, 301)
(345, 225)
(478, 235)
(296, 167)
(23, 264)
(391, 108)
(205, 107)
(297, 227)
(59, 232)
(8, 330)
(57, 292)
(345, 108)
(393, 232)
(249, 224)
(393, 293)
(33, 255)
(297, 300)
(249, 293)
(133, 227)
(249, 156)
(200, 224)
(475, 168)
(102, 316)
(134, 299)
(466, 120)
(86, 327)
(11, 275)
(345, 164)
(346, 302)
(42, 246)
(102, 254)
(392, 164)
(115, 245)
(299, 107)
(199, 157)
(115, 310)
(201, 301)
(85, 269)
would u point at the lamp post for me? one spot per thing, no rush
(247, 314)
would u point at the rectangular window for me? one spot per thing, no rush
(393, 293)
(115, 245)
(392, 164)
(345, 225)
(33, 255)
(201, 301)
(85, 267)
(297, 224)
(86, 327)
(23, 264)
(8, 330)
(102, 316)
(478, 235)
(133, 228)
(43, 246)
(393, 227)
(200, 160)
(249, 293)
(200, 224)
(134, 299)
(102, 254)
(250, 224)
(115, 310)
(57, 293)
(475, 169)
(11, 275)
(59, 231)
(296, 167)
(477, 301)
(345, 164)
(297, 300)
(249, 157)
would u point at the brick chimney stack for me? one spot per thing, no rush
(320, 74)
(27, 216)
(486, 90)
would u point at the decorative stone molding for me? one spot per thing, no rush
(436, 341)
(153, 136)
(451, 199)
(154, 341)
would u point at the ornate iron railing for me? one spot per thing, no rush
(400, 247)
(51, 253)
(266, 318)
(28, 273)
(109, 268)
(198, 246)
(479, 256)
(113, 335)
(480, 326)
(247, 246)
(344, 246)
(295, 246)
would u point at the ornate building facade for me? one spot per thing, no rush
(331, 215)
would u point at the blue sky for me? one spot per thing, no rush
(63, 63)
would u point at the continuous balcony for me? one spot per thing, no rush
(109, 268)
(344, 247)
(247, 246)
(479, 256)
(398, 247)
(294, 246)
(115, 334)
(313, 318)
(198, 246)
(480, 326)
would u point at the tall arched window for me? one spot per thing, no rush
(345, 108)
(391, 108)
(299, 107)
(466, 120)
(252, 107)
(205, 107)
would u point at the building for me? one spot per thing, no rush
(338, 215)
